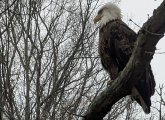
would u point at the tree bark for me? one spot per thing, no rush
(148, 36)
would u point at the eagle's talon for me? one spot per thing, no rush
(109, 83)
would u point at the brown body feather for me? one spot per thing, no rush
(115, 48)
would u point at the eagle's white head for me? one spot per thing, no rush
(107, 13)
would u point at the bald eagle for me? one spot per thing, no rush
(116, 43)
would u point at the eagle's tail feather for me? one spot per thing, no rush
(136, 96)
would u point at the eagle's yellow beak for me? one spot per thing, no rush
(97, 18)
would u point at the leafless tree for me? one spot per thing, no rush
(49, 66)
(160, 102)
(49, 63)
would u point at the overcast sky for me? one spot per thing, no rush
(139, 11)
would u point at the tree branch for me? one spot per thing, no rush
(142, 54)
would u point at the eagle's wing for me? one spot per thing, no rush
(146, 88)
(121, 44)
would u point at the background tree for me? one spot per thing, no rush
(49, 63)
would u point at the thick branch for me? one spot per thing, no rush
(149, 35)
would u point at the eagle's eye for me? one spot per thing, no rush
(100, 12)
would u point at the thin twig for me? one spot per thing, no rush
(75, 114)
(8, 7)
(155, 52)
(146, 29)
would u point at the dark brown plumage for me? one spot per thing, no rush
(116, 42)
